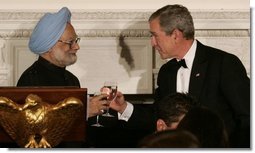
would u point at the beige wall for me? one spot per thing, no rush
(122, 4)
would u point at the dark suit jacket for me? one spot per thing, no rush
(219, 81)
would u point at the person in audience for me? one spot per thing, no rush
(207, 126)
(170, 139)
(171, 109)
(217, 79)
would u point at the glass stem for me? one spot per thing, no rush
(107, 110)
(97, 119)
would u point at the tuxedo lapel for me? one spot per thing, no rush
(171, 71)
(166, 80)
(198, 72)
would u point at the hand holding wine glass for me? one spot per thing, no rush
(119, 104)
(109, 88)
(97, 106)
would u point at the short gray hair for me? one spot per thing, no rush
(173, 17)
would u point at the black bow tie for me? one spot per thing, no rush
(182, 63)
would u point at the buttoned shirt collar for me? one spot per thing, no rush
(190, 55)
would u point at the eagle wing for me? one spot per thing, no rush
(9, 116)
(60, 118)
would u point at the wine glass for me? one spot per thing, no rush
(110, 88)
(97, 124)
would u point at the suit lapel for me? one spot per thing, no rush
(170, 73)
(197, 76)
(166, 79)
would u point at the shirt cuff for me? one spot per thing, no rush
(127, 112)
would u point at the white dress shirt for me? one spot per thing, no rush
(182, 80)
(183, 74)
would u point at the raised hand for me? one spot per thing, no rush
(97, 105)
(119, 104)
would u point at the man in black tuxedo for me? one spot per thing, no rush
(217, 79)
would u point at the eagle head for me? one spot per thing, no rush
(31, 101)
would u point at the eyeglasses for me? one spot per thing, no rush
(71, 42)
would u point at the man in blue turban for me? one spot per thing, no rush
(48, 30)
(55, 41)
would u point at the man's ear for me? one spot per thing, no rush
(177, 34)
(161, 125)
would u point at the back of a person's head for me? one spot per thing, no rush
(171, 107)
(207, 126)
(170, 139)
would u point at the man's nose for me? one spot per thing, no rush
(153, 42)
(76, 46)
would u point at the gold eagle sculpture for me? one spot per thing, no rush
(37, 124)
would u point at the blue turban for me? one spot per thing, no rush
(49, 30)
